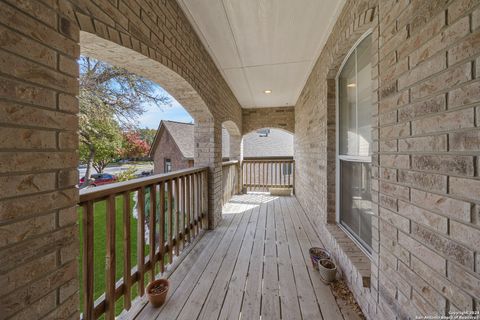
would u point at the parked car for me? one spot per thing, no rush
(99, 179)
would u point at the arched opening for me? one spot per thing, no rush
(96, 47)
(268, 160)
(231, 141)
(166, 211)
(268, 143)
(232, 156)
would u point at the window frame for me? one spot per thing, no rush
(338, 157)
(165, 161)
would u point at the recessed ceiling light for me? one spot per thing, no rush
(268, 91)
(351, 85)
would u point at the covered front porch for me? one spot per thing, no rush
(254, 264)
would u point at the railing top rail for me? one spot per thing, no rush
(229, 163)
(99, 193)
(269, 160)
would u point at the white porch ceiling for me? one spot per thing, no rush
(263, 45)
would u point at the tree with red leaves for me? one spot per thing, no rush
(134, 146)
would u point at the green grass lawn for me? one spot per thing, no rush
(99, 230)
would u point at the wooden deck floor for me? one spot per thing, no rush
(255, 264)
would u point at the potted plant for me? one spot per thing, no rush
(316, 254)
(327, 269)
(157, 291)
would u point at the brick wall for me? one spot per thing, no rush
(426, 184)
(39, 45)
(38, 163)
(277, 117)
(167, 149)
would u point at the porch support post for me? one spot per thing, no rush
(236, 153)
(208, 152)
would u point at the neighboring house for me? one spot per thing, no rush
(172, 148)
(268, 143)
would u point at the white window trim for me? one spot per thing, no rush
(339, 157)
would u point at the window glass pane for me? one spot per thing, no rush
(347, 110)
(354, 125)
(355, 200)
(364, 97)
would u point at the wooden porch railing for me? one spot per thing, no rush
(262, 174)
(183, 195)
(231, 179)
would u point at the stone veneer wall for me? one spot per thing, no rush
(39, 45)
(426, 131)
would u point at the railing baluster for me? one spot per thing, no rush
(187, 187)
(153, 214)
(205, 209)
(110, 259)
(195, 200)
(254, 176)
(87, 224)
(182, 194)
(293, 183)
(141, 241)
(161, 226)
(170, 221)
(264, 178)
(266, 175)
(127, 262)
(199, 215)
(177, 217)
(289, 171)
(192, 200)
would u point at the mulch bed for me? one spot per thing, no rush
(342, 292)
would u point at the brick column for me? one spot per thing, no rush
(39, 243)
(236, 147)
(208, 152)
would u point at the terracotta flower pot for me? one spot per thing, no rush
(327, 269)
(316, 254)
(157, 292)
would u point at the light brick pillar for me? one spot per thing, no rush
(236, 153)
(39, 243)
(235, 147)
(208, 152)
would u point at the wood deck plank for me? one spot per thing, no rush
(288, 290)
(308, 302)
(323, 293)
(203, 287)
(233, 298)
(182, 279)
(215, 300)
(270, 294)
(250, 308)
(255, 264)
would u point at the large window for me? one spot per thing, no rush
(355, 144)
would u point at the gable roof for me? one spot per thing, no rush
(182, 134)
(277, 143)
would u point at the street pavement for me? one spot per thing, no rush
(117, 169)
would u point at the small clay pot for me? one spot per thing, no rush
(316, 254)
(327, 269)
(157, 291)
